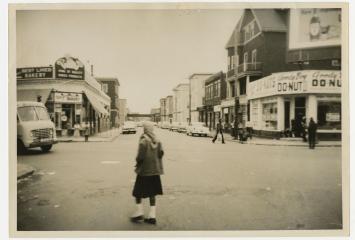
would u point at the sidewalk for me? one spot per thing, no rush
(107, 136)
(24, 170)
(295, 142)
(283, 142)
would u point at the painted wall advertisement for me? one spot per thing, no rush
(296, 82)
(315, 27)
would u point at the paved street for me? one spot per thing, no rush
(87, 186)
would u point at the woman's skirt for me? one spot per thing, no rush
(147, 186)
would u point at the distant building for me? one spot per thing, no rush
(196, 94)
(215, 92)
(163, 109)
(122, 110)
(155, 112)
(170, 108)
(181, 103)
(111, 87)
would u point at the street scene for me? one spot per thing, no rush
(88, 186)
(179, 119)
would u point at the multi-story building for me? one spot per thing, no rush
(122, 110)
(215, 92)
(256, 49)
(196, 94)
(181, 103)
(170, 108)
(110, 86)
(269, 41)
(163, 110)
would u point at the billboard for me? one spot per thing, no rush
(314, 27)
(69, 68)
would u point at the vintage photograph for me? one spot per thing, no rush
(180, 117)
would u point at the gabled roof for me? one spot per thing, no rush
(269, 20)
(233, 38)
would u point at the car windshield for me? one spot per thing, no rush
(31, 113)
(42, 113)
(27, 114)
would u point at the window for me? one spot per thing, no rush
(105, 87)
(242, 86)
(245, 60)
(253, 56)
(232, 89)
(329, 115)
(252, 29)
(270, 115)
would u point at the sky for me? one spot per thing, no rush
(149, 51)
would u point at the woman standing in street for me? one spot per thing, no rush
(149, 167)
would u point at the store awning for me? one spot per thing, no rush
(99, 107)
(33, 94)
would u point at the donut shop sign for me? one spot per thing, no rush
(308, 81)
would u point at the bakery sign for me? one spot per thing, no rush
(69, 68)
(296, 82)
(34, 73)
(60, 97)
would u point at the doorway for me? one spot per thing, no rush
(287, 115)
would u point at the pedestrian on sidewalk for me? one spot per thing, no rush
(312, 132)
(219, 130)
(149, 167)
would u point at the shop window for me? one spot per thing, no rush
(270, 115)
(329, 115)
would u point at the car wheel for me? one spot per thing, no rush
(46, 148)
(21, 149)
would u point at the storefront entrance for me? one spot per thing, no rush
(287, 115)
(68, 115)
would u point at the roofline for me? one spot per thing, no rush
(111, 79)
(194, 74)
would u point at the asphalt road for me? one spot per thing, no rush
(87, 186)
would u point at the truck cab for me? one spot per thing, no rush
(34, 127)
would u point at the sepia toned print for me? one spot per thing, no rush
(180, 119)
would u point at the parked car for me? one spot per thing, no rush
(174, 126)
(34, 127)
(198, 129)
(129, 127)
(165, 125)
(182, 127)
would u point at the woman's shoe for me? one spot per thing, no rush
(150, 220)
(137, 219)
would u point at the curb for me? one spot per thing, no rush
(286, 145)
(26, 173)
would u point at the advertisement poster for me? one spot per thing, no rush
(69, 68)
(315, 27)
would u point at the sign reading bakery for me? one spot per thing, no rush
(34, 73)
(314, 27)
(69, 68)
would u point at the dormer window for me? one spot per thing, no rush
(249, 31)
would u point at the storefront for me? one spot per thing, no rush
(280, 102)
(74, 99)
(228, 115)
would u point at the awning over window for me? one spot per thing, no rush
(33, 94)
(97, 105)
